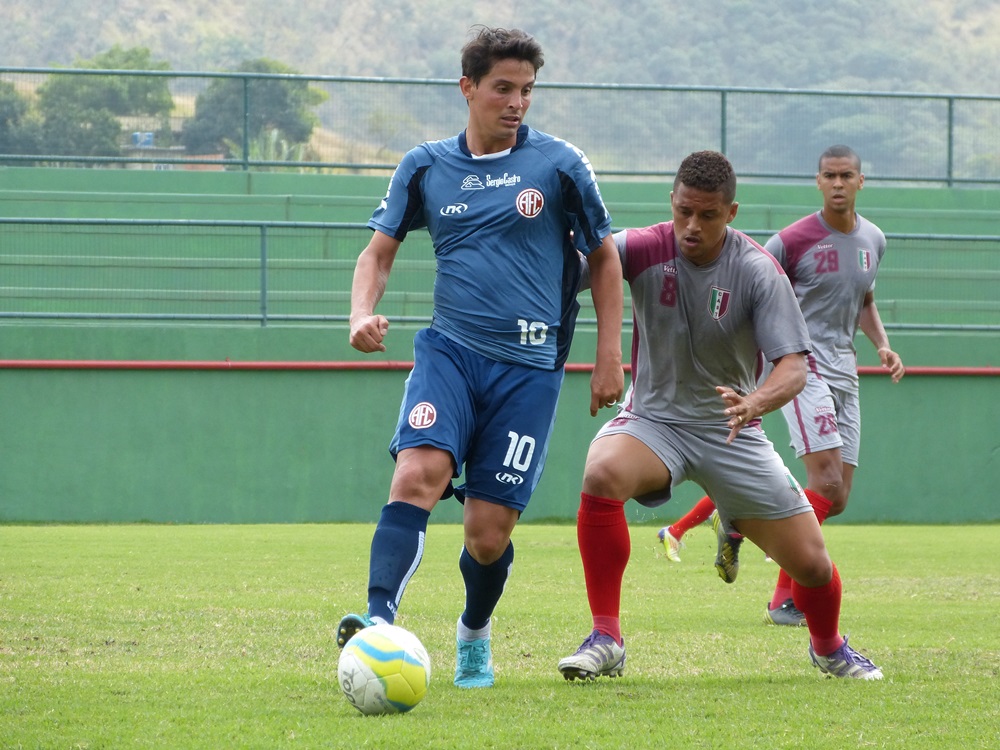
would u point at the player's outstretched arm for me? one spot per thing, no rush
(607, 383)
(371, 274)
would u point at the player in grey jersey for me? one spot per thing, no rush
(831, 258)
(707, 302)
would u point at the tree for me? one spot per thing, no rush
(81, 112)
(269, 146)
(18, 131)
(74, 130)
(274, 104)
(13, 107)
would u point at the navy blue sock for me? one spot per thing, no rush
(397, 547)
(483, 586)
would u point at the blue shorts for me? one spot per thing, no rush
(495, 418)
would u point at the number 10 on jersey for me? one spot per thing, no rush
(532, 334)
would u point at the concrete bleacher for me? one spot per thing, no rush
(135, 194)
(272, 196)
(216, 270)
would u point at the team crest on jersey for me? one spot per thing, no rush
(422, 416)
(865, 259)
(472, 182)
(718, 303)
(530, 203)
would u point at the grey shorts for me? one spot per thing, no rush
(821, 418)
(746, 479)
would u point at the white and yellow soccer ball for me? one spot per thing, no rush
(384, 669)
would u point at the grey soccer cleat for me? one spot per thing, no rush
(784, 614)
(845, 662)
(598, 656)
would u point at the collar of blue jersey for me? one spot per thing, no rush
(522, 136)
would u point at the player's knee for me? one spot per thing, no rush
(830, 484)
(814, 571)
(486, 546)
(602, 479)
(838, 505)
(837, 495)
(419, 480)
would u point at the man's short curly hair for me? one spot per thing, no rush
(491, 45)
(709, 171)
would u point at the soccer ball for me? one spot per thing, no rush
(384, 669)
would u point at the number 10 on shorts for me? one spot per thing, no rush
(519, 452)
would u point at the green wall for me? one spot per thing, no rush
(304, 446)
(185, 446)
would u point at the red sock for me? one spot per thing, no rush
(783, 588)
(821, 506)
(605, 547)
(821, 606)
(698, 514)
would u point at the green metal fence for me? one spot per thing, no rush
(360, 124)
(261, 272)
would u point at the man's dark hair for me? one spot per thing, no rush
(840, 151)
(489, 45)
(709, 171)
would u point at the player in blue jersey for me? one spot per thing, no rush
(831, 257)
(509, 210)
(708, 302)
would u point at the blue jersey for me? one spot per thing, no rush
(507, 266)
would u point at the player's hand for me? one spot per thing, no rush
(367, 333)
(607, 383)
(892, 362)
(739, 410)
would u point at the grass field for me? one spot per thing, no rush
(222, 637)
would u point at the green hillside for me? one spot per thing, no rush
(890, 45)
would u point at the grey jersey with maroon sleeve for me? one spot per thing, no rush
(696, 327)
(830, 272)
